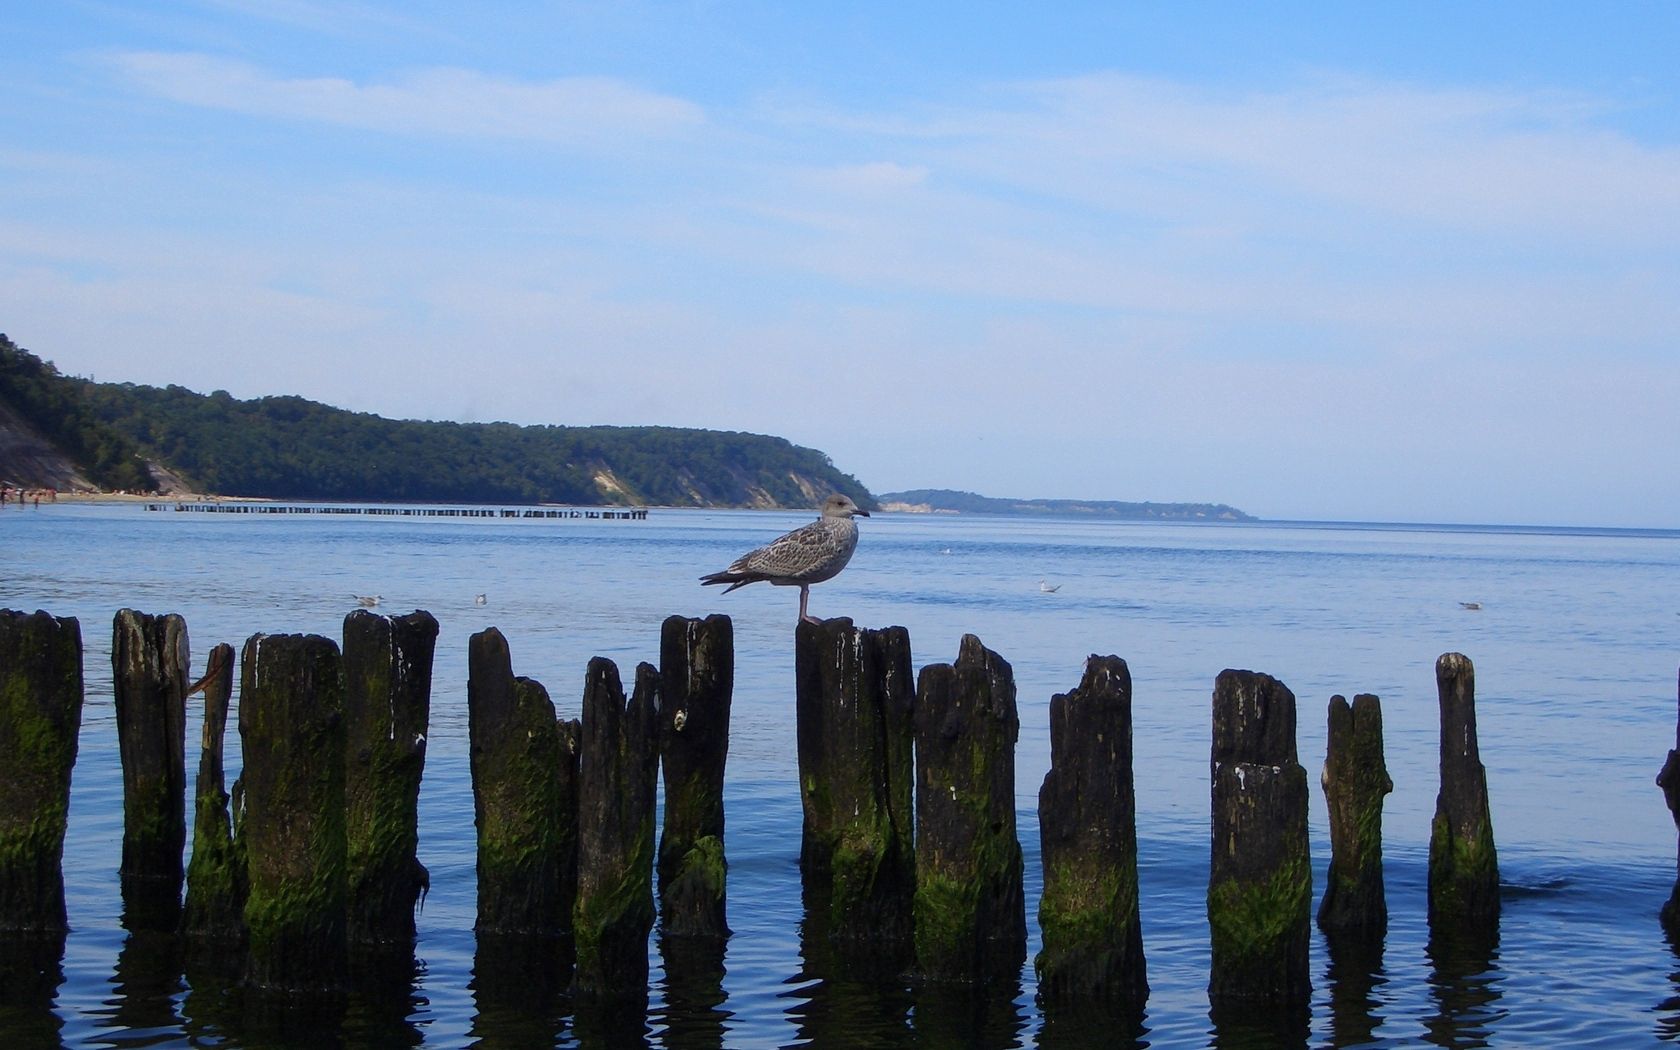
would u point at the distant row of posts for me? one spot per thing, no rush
(910, 858)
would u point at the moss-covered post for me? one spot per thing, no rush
(617, 784)
(970, 905)
(1355, 779)
(1669, 780)
(697, 678)
(524, 777)
(387, 705)
(40, 719)
(216, 881)
(291, 730)
(149, 668)
(1463, 864)
(1087, 811)
(1260, 881)
(854, 693)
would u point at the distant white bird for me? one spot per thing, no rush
(368, 601)
(1049, 588)
(481, 599)
(809, 554)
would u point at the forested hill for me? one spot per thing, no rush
(953, 502)
(293, 448)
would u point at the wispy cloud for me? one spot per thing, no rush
(436, 101)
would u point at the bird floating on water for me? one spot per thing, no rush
(809, 554)
(481, 599)
(1049, 588)
(368, 601)
(1472, 606)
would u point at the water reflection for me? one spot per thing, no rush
(1464, 989)
(694, 1018)
(31, 969)
(519, 988)
(1354, 975)
(1075, 1026)
(1259, 1026)
(1668, 1023)
(148, 980)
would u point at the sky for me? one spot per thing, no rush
(1380, 261)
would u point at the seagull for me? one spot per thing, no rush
(368, 601)
(809, 554)
(1049, 588)
(1472, 606)
(480, 599)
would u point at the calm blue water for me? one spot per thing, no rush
(1575, 647)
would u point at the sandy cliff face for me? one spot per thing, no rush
(27, 459)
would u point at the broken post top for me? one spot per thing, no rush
(1253, 719)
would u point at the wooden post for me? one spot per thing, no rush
(1463, 864)
(617, 782)
(524, 765)
(1260, 882)
(1355, 780)
(1088, 914)
(216, 877)
(149, 665)
(697, 676)
(1669, 781)
(854, 702)
(291, 729)
(970, 911)
(40, 719)
(387, 704)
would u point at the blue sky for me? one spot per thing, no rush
(1410, 261)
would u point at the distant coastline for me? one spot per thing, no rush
(951, 501)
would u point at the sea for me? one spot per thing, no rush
(1574, 634)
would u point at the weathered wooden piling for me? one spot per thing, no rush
(40, 719)
(1463, 864)
(291, 729)
(970, 910)
(1260, 882)
(216, 878)
(387, 706)
(1088, 914)
(524, 772)
(1355, 779)
(617, 782)
(854, 701)
(149, 666)
(697, 682)
(1669, 780)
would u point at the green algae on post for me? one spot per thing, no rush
(291, 730)
(697, 676)
(524, 766)
(617, 783)
(1260, 876)
(1463, 863)
(40, 721)
(149, 667)
(970, 905)
(1088, 913)
(853, 700)
(1355, 779)
(387, 706)
(216, 878)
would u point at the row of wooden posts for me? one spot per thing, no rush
(909, 849)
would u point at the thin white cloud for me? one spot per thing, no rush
(436, 101)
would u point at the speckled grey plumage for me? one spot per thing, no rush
(809, 554)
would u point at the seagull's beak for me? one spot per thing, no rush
(861, 513)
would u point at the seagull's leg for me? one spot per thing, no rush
(805, 596)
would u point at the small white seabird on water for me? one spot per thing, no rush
(1049, 588)
(368, 601)
(809, 554)
(481, 599)
(1472, 606)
